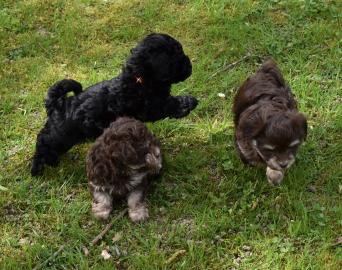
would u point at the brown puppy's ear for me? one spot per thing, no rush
(301, 123)
(251, 126)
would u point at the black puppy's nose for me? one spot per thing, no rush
(194, 103)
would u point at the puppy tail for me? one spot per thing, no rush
(270, 67)
(57, 93)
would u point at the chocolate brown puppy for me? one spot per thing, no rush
(121, 164)
(268, 127)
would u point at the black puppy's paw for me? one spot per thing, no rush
(37, 168)
(185, 105)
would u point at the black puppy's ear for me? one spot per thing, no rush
(159, 67)
(301, 122)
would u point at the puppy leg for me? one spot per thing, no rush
(137, 209)
(51, 143)
(45, 152)
(180, 106)
(160, 108)
(102, 204)
(274, 177)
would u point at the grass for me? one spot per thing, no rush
(222, 213)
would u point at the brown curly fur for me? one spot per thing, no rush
(120, 164)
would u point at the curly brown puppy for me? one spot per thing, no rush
(268, 127)
(121, 164)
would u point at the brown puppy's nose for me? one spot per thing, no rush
(283, 164)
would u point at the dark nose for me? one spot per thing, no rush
(283, 164)
(184, 69)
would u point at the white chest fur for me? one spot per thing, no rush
(136, 179)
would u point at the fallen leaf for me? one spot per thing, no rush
(85, 250)
(23, 241)
(2, 188)
(338, 241)
(246, 248)
(117, 237)
(105, 254)
(312, 188)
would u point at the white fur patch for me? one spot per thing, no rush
(274, 177)
(291, 161)
(154, 159)
(272, 162)
(136, 166)
(102, 205)
(136, 179)
(269, 147)
(247, 151)
(295, 142)
(134, 198)
(257, 150)
(157, 151)
(96, 187)
(138, 214)
(137, 209)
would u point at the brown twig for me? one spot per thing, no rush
(107, 228)
(39, 266)
(230, 66)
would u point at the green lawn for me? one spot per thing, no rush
(208, 206)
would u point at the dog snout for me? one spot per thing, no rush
(153, 163)
(283, 164)
(185, 67)
(192, 102)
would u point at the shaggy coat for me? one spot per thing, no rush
(268, 127)
(141, 91)
(120, 164)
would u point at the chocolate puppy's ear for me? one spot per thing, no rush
(302, 125)
(251, 126)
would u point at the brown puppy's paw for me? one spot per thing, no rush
(138, 214)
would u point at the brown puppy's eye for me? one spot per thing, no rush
(294, 143)
(269, 147)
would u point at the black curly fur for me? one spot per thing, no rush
(142, 91)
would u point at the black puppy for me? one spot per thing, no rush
(142, 91)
